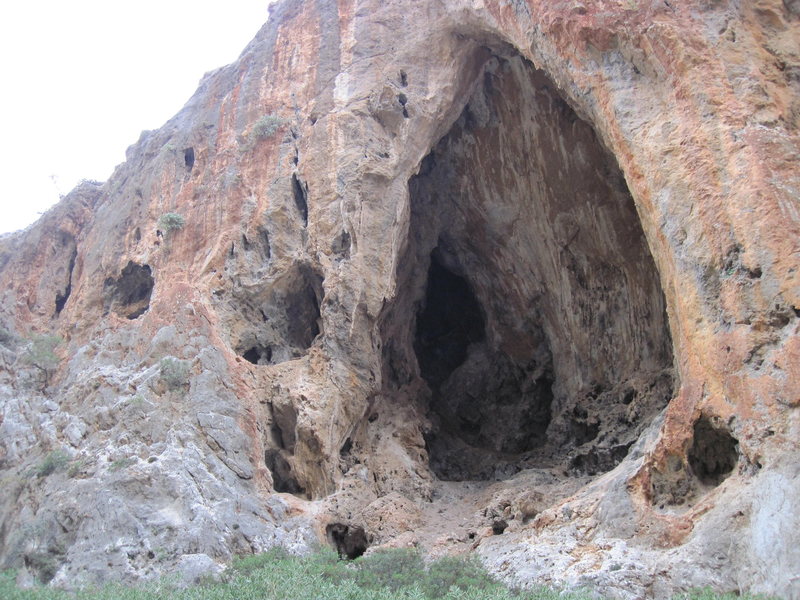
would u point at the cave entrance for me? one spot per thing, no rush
(535, 322)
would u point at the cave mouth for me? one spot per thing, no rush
(350, 541)
(276, 320)
(482, 400)
(531, 326)
(129, 294)
(713, 453)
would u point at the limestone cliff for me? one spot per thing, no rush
(513, 277)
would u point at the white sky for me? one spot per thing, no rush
(82, 78)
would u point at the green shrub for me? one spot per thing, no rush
(40, 354)
(171, 222)
(393, 569)
(459, 572)
(122, 463)
(276, 575)
(57, 460)
(266, 126)
(174, 372)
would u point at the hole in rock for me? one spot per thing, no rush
(341, 245)
(300, 198)
(350, 541)
(129, 294)
(276, 320)
(188, 158)
(529, 312)
(67, 245)
(258, 355)
(499, 526)
(713, 453)
(283, 479)
(450, 321)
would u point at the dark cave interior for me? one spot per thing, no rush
(538, 324)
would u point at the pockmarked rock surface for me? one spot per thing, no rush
(518, 278)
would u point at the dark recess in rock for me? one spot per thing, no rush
(63, 296)
(350, 541)
(258, 355)
(341, 245)
(188, 158)
(450, 320)
(300, 198)
(129, 294)
(599, 460)
(278, 321)
(538, 328)
(499, 526)
(283, 479)
(714, 452)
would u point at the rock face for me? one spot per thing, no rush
(521, 278)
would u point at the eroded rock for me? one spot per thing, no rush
(517, 278)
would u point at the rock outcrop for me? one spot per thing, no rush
(513, 277)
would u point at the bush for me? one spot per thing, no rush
(40, 354)
(265, 127)
(393, 569)
(277, 575)
(122, 463)
(57, 460)
(171, 222)
(174, 372)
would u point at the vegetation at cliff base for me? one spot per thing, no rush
(399, 574)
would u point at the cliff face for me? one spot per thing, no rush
(516, 277)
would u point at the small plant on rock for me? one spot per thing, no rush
(40, 354)
(174, 372)
(57, 460)
(171, 222)
(122, 463)
(266, 126)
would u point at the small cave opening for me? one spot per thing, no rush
(713, 453)
(283, 479)
(300, 192)
(277, 320)
(350, 541)
(449, 322)
(188, 158)
(129, 294)
(530, 326)
(67, 243)
(258, 355)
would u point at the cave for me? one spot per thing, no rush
(350, 541)
(129, 294)
(283, 479)
(188, 158)
(530, 326)
(300, 193)
(276, 320)
(713, 453)
(68, 246)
